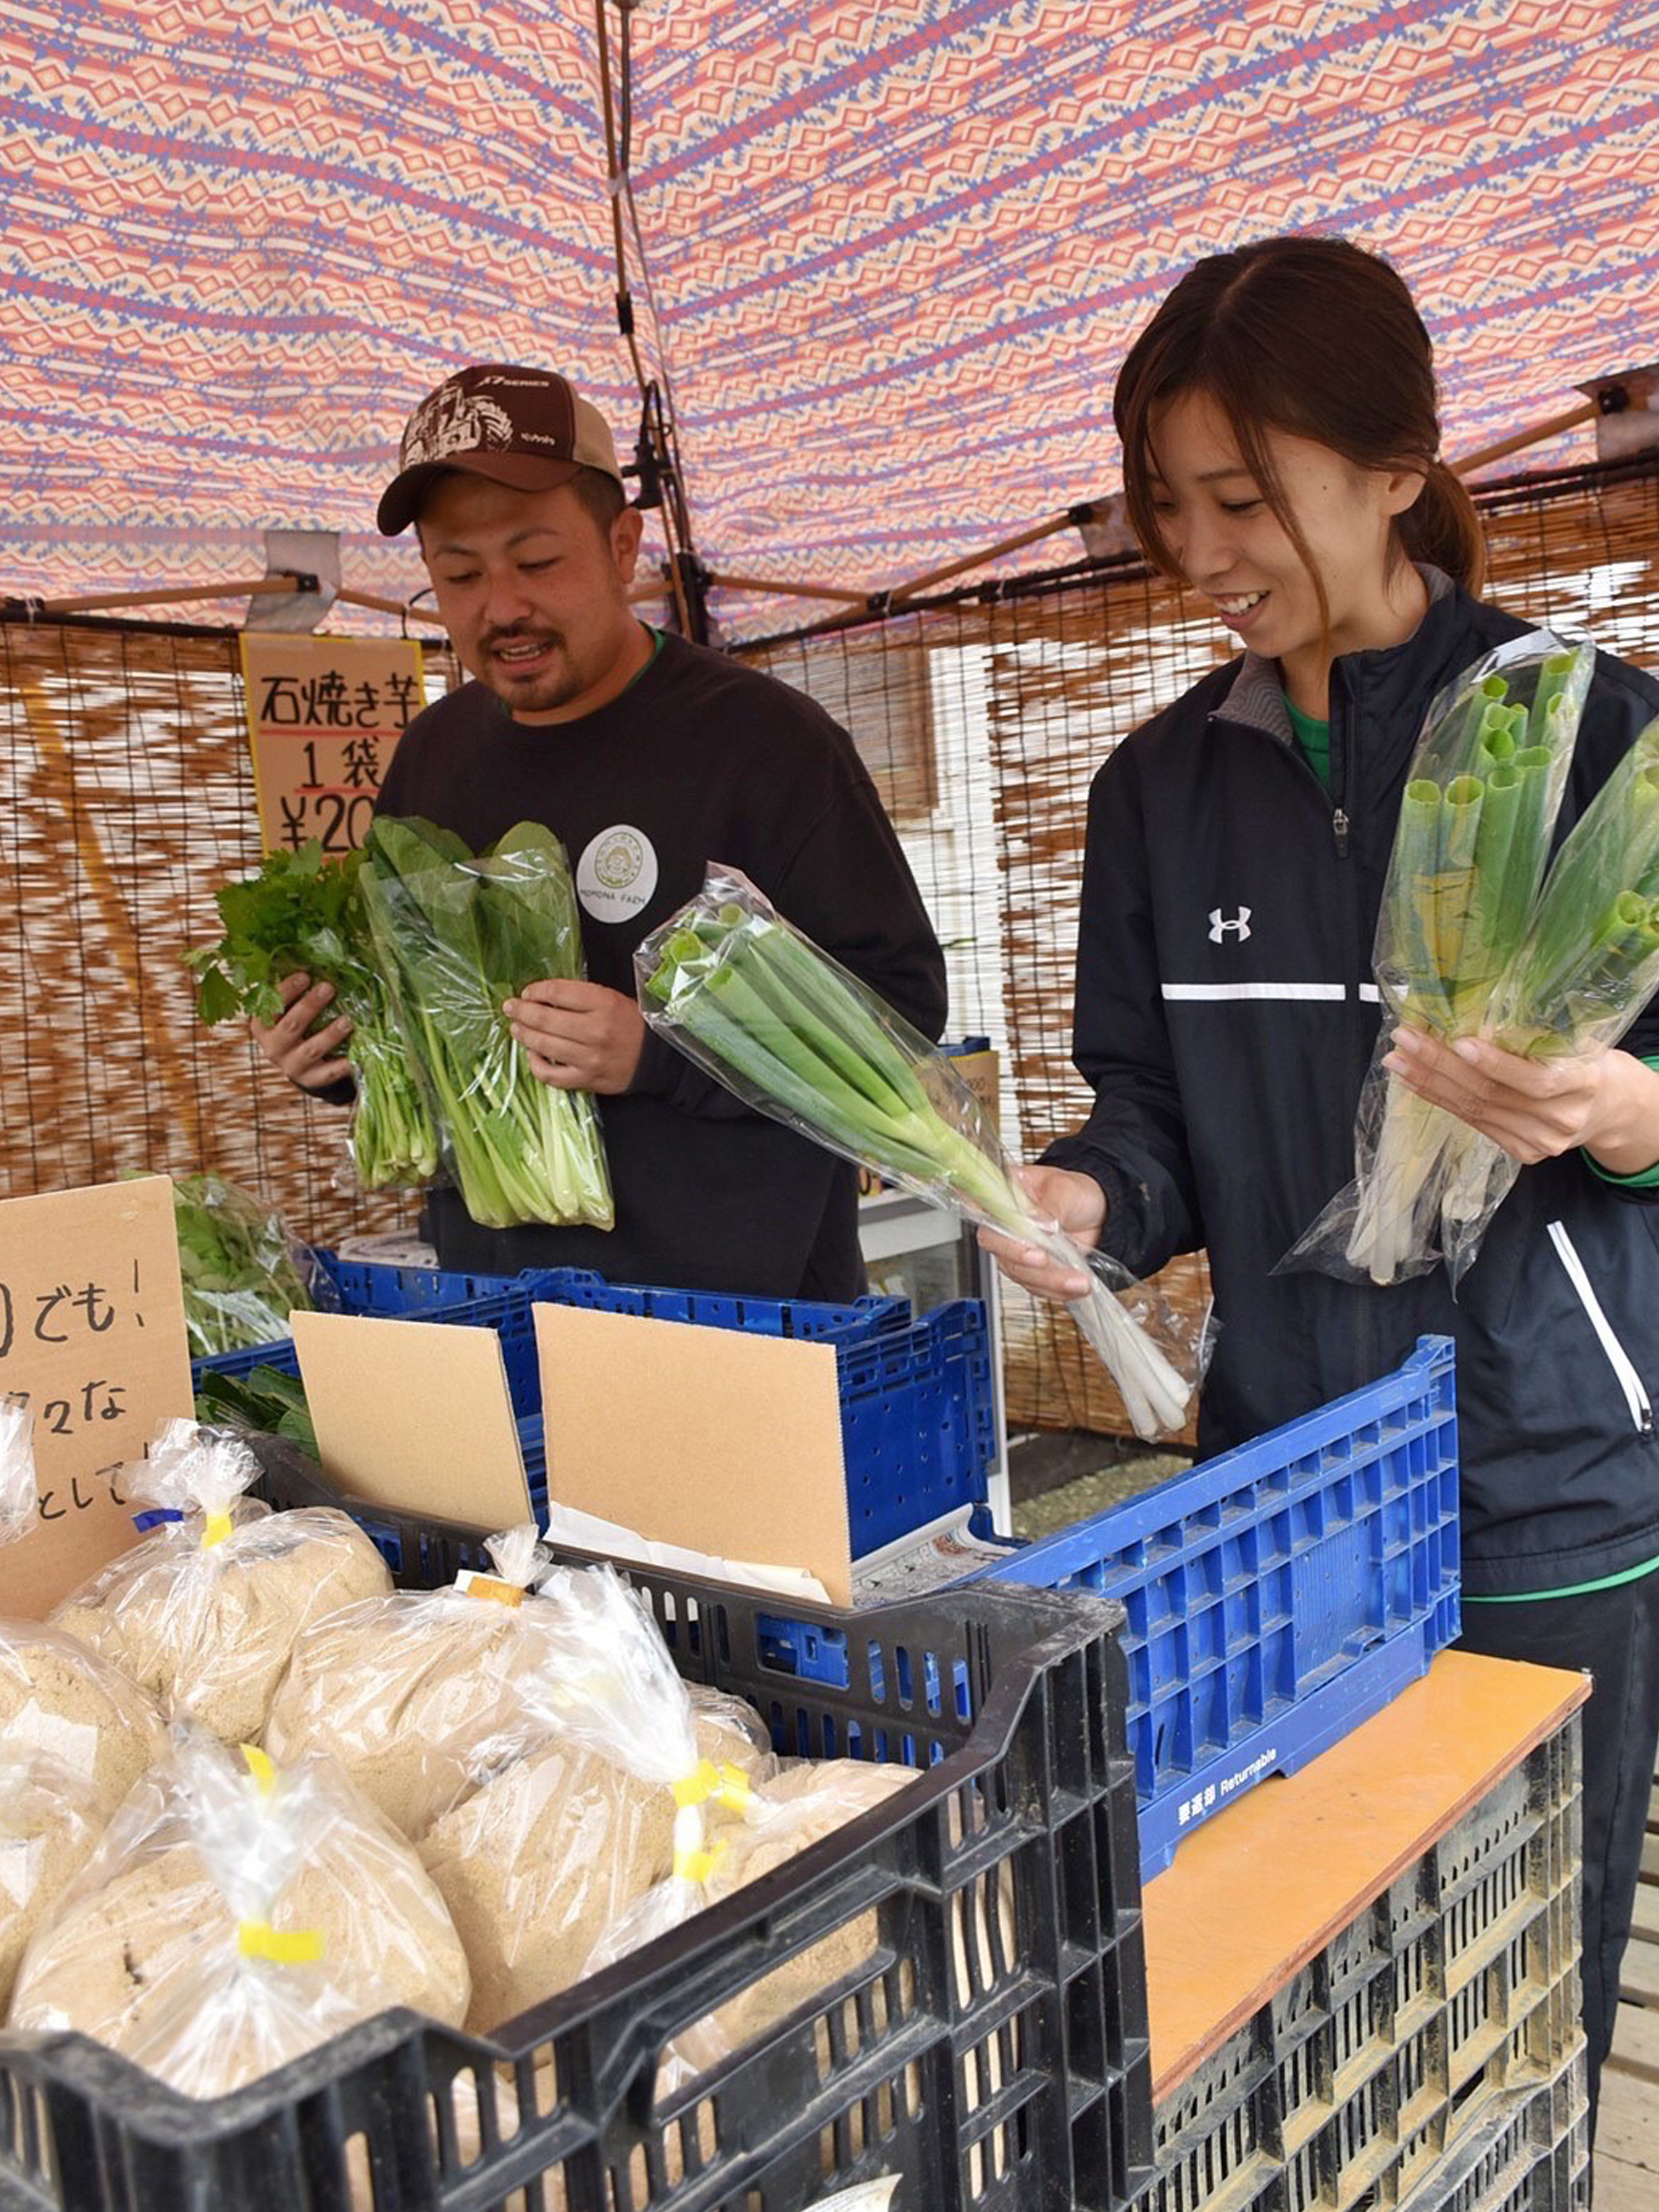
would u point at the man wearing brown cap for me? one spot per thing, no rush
(649, 757)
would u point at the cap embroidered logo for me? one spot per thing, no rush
(454, 421)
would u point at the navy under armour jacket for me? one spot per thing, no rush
(1226, 1015)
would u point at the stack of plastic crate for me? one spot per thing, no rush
(918, 1408)
(1430, 2058)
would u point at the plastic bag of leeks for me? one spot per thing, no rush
(1475, 826)
(1589, 962)
(772, 1017)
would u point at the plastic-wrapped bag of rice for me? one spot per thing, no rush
(50, 1819)
(205, 1611)
(593, 1799)
(236, 1915)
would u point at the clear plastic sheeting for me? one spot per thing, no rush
(1475, 825)
(791, 1033)
(50, 1819)
(17, 1484)
(58, 1697)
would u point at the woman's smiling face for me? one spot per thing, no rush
(1230, 545)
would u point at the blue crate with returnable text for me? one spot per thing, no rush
(1276, 1595)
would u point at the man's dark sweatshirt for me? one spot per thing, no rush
(701, 759)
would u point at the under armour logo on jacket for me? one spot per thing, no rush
(1239, 926)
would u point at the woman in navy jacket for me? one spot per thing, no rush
(1280, 440)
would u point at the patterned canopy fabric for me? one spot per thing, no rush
(894, 249)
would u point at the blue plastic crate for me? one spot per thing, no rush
(358, 1286)
(1276, 1595)
(792, 1317)
(918, 1415)
(375, 1286)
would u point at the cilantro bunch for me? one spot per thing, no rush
(304, 913)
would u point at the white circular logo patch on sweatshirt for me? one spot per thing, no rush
(617, 874)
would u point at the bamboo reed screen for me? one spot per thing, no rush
(125, 797)
(1030, 691)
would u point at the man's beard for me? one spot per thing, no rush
(534, 693)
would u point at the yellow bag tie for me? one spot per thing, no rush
(708, 1783)
(297, 1947)
(697, 1866)
(214, 1529)
(498, 1593)
(259, 1767)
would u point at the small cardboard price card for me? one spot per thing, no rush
(414, 1414)
(324, 718)
(713, 1440)
(93, 1342)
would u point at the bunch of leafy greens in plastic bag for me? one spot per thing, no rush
(242, 1275)
(456, 934)
(266, 1401)
(303, 913)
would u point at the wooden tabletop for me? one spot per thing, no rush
(1256, 1891)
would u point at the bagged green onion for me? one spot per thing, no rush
(1589, 962)
(1475, 831)
(772, 1017)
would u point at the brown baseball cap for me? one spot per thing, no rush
(529, 428)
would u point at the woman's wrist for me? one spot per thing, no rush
(1624, 1138)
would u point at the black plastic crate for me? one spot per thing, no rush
(1450, 1997)
(991, 2050)
(1530, 2153)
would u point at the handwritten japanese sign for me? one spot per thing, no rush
(92, 1340)
(324, 718)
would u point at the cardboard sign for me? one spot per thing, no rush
(982, 1073)
(416, 1415)
(324, 718)
(92, 1340)
(710, 1439)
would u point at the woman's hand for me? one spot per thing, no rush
(1607, 1101)
(1077, 1203)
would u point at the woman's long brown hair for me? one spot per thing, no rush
(1312, 336)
